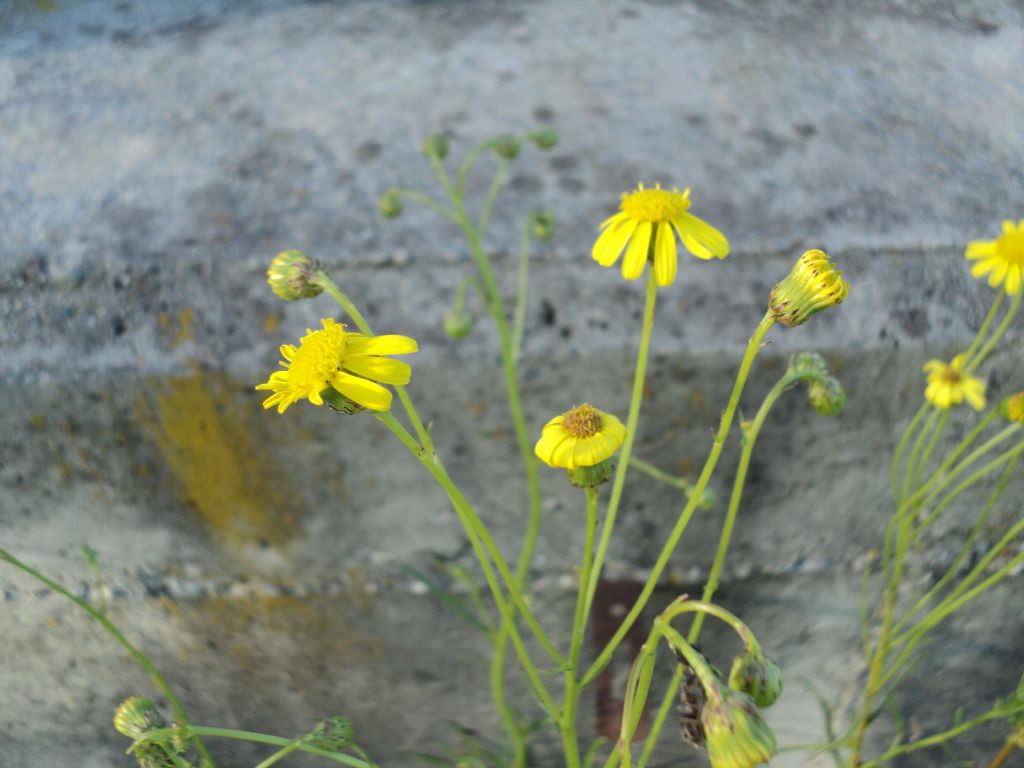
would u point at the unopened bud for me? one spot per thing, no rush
(542, 225)
(332, 734)
(544, 138)
(293, 275)
(808, 363)
(507, 146)
(458, 324)
(826, 395)
(814, 284)
(737, 736)
(138, 715)
(757, 676)
(390, 205)
(436, 145)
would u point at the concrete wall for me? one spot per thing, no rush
(155, 155)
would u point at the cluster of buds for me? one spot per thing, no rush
(137, 716)
(294, 275)
(813, 285)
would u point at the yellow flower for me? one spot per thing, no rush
(1012, 408)
(655, 213)
(582, 437)
(949, 385)
(812, 285)
(332, 358)
(1001, 259)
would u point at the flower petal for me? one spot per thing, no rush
(382, 369)
(548, 444)
(665, 258)
(979, 249)
(358, 344)
(611, 242)
(362, 391)
(1013, 279)
(710, 242)
(636, 253)
(612, 220)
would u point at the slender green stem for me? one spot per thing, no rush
(137, 655)
(522, 283)
(753, 346)
(569, 740)
(618, 483)
(922, 463)
(492, 195)
(459, 190)
(667, 703)
(426, 200)
(281, 754)
(659, 474)
(901, 447)
(915, 452)
(985, 325)
(260, 738)
(1004, 753)
(984, 352)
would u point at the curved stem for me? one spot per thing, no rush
(639, 375)
(984, 352)
(492, 195)
(985, 325)
(753, 346)
(522, 283)
(568, 724)
(426, 200)
(281, 754)
(137, 655)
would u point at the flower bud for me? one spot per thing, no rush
(292, 275)
(137, 715)
(544, 138)
(458, 324)
(826, 395)
(436, 145)
(809, 364)
(542, 225)
(507, 146)
(757, 676)
(1012, 408)
(736, 734)
(813, 284)
(332, 734)
(594, 476)
(390, 205)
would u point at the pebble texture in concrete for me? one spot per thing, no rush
(155, 155)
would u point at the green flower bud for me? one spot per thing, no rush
(708, 498)
(826, 395)
(458, 324)
(737, 736)
(814, 284)
(390, 205)
(293, 275)
(593, 476)
(544, 138)
(136, 716)
(757, 676)
(508, 146)
(542, 225)
(810, 363)
(436, 145)
(332, 734)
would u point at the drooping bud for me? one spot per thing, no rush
(292, 276)
(826, 395)
(138, 715)
(542, 225)
(507, 146)
(1012, 408)
(808, 364)
(332, 734)
(813, 285)
(458, 325)
(736, 734)
(544, 138)
(757, 676)
(436, 145)
(390, 205)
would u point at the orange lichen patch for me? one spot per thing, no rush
(271, 322)
(222, 469)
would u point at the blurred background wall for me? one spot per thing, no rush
(155, 155)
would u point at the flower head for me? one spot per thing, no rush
(582, 437)
(758, 676)
(1001, 259)
(812, 285)
(656, 216)
(292, 275)
(1012, 408)
(949, 385)
(332, 358)
(737, 736)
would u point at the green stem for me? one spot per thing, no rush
(632, 421)
(569, 740)
(137, 655)
(281, 754)
(897, 457)
(195, 731)
(922, 463)
(426, 200)
(972, 366)
(492, 195)
(985, 325)
(753, 346)
(659, 474)
(667, 702)
(519, 315)
(911, 470)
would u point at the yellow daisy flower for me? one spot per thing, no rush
(579, 438)
(948, 384)
(655, 213)
(332, 358)
(1001, 259)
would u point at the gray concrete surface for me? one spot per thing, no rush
(154, 156)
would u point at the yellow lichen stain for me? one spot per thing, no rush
(271, 322)
(185, 332)
(221, 468)
(37, 422)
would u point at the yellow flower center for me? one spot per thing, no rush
(317, 358)
(1010, 247)
(655, 204)
(582, 422)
